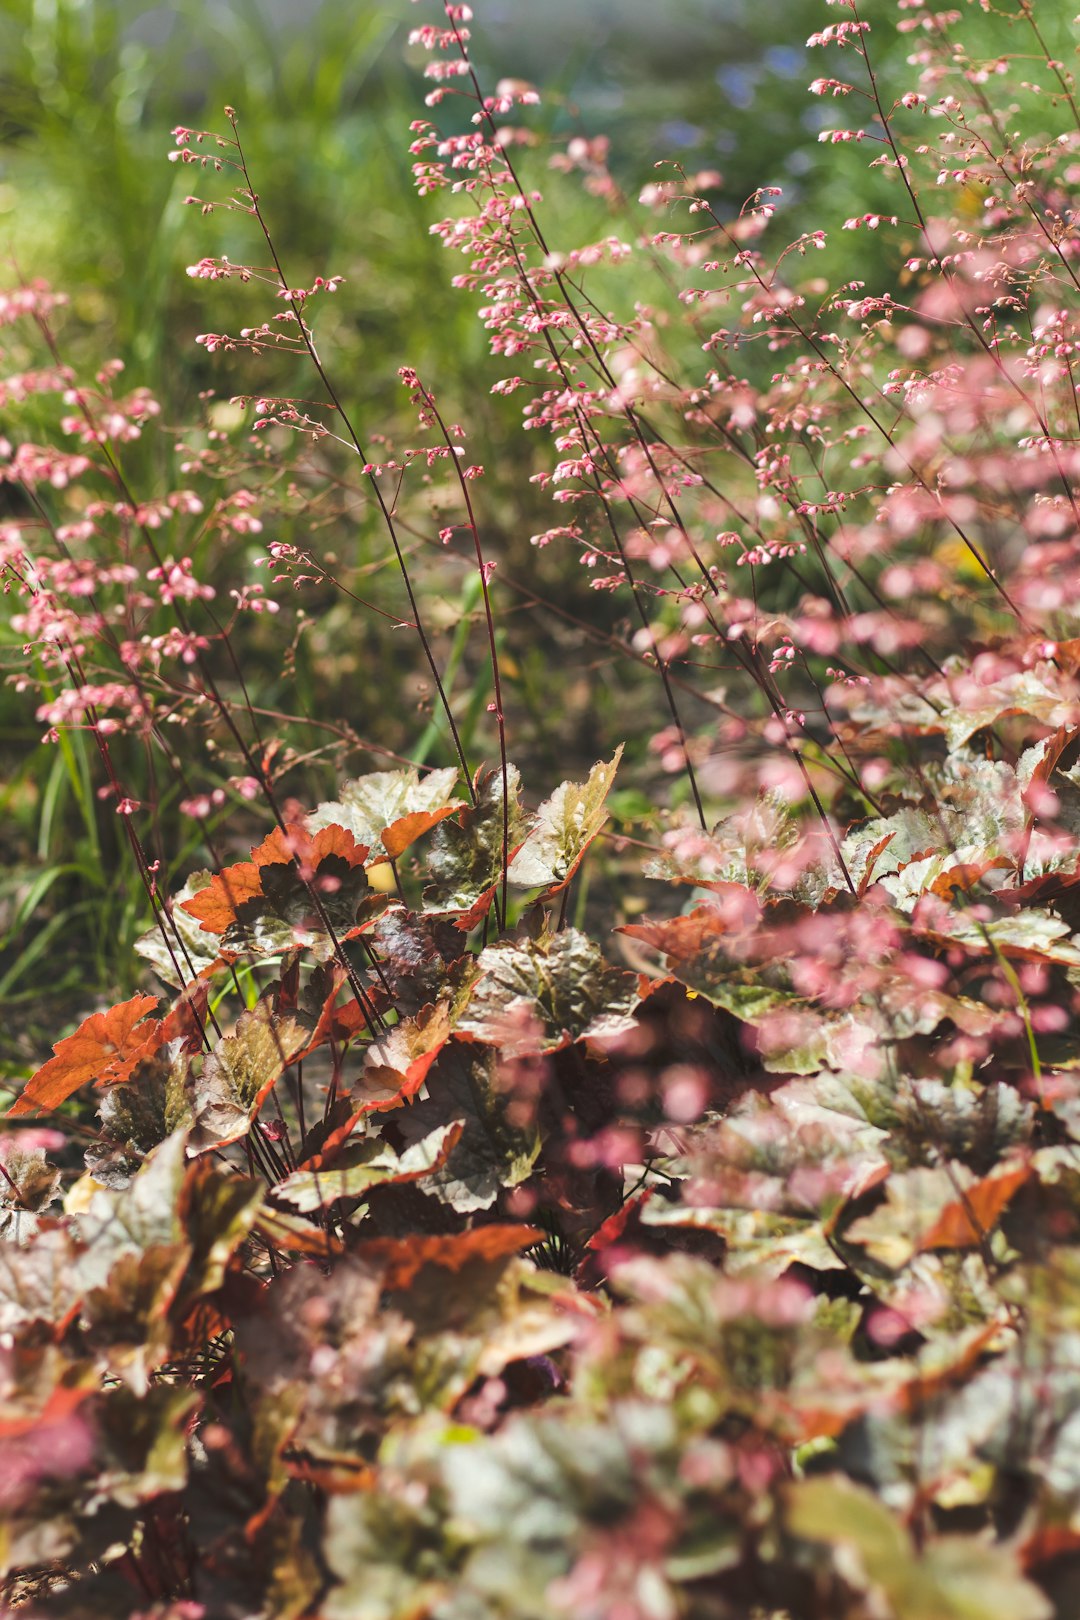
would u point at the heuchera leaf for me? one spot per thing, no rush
(565, 826)
(389, 810)
(704, 952)
(397, 1063)
(421, 955)
(180, 943)
(267, 904)
(333, 1021)
(938, 1207)
(218, 1212)
(491, 1153)
(139, 1114)
(403, 1258)
(466, 859)
(372, 1163)
(966, 1222)
(105, 1047)
(29, 1182)
(950, 1576)
(1027, 936)
(538, 995)
(238, 1074)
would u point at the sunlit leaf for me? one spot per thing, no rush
(371, 1163)
(403, 1258)
(389, 810)
(105, 1048)
(466, 859)
(565, 826)
(968, 1220)
(238, 1074)
(538, 995)
(286, 895)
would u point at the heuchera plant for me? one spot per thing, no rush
(433, 1257)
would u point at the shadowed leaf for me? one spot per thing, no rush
(491, 1153)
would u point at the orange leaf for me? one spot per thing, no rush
(407, 1052)
(187, 1016)
(335, 840)
(215, 906)
(106, 1047)
(965, 874)
(280, 849)
(407, 829)
(275, 847)
(965, 1223)
(404, 1257)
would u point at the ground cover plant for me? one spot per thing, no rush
(645, 1194)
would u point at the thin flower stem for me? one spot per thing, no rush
(387, 514)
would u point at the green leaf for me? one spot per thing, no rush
(369, 1164)
(144, 1443)
(950, 1578)
(565, 826)
(538, 995)
(219, 1212)
(491, 1153)
(237, 1075)
(142, 1216)
(387, 1554)
(1032, 935)
(466, 860)
(387, 801)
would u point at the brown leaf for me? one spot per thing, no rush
(966, 1222)
(405, 1257)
